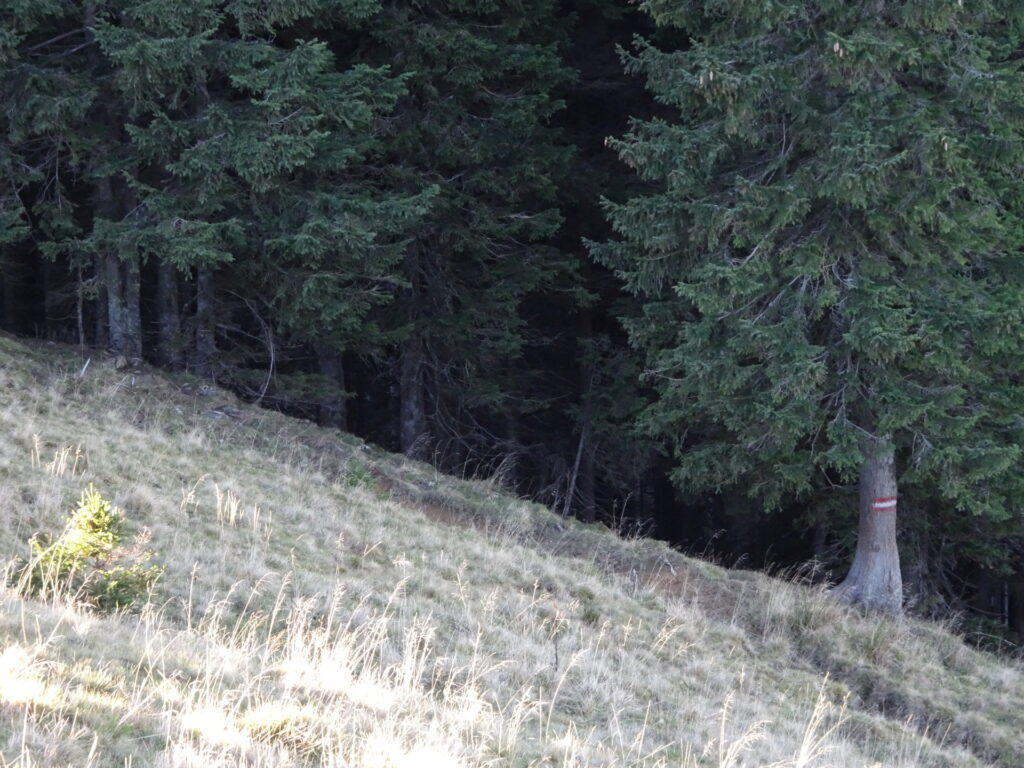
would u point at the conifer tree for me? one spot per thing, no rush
(830, 257)
(482, 81)
(194, 135)
(44, 132)
(257, 134)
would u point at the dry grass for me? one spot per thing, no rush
(325, 603)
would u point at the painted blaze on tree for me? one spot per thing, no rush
(829, 257)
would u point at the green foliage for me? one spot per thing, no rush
(482, 86)
(359, 475)
(208, 134)
(830, 244)
(264, 157)
(89, 561)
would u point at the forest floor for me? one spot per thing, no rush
(326, 603)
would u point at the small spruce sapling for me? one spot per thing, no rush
(89, 560)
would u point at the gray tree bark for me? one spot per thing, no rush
(206, 343)
(334, 409)
(874, 579)
(168, 319)
(121, 281)
(101, 329)
(124, 320)
(412, 411)
(133, 311)
(117, 331)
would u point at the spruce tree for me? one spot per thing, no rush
(482, 81)
(195, 135)
(252, 136)
(44, 136)
(829, 256)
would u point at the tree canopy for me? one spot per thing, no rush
(830, 247)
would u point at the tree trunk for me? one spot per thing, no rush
(168, 320)
(206, 343)
(132, 309)
(332, 410)
(101, 327)
(412, 416)
(116, 311)
(874, 579)
(121, 281)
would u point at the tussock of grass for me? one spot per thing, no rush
(325, 603)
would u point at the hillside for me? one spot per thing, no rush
(325, 603)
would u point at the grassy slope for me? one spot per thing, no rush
(325, 603)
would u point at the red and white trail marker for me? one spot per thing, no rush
(884, 504)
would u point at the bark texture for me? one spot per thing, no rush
(121, 281)
(413, 417)
(168, 319)
(333, 411)
(132, 286)
(116, 311)
(206, 345)
(874, 579)
(101, 329)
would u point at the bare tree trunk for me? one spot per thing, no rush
(121, 281)
(116, 311)
(874, 579)
(333, 409)
(206, 343)
(168, 319)
(412, 416)
(101, 327)
(132, 309)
